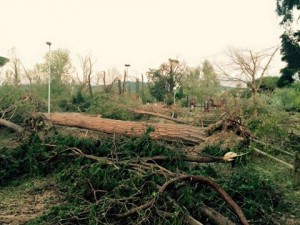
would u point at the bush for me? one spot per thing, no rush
(114, 107)
(290, 97)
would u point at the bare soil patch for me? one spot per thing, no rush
(26, 201)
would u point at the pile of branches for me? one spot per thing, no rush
(131, 182)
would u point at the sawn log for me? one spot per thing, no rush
(173, 132)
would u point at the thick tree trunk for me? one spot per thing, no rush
(172, 132)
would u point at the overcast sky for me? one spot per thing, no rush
(143, 33)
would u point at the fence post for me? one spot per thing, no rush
(297, 169)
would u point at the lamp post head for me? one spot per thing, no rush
(48, 43)
(127, 65)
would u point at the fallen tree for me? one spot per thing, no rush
(172, 132)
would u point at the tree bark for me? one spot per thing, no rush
(172, 132)
(11, 125)
(215, 217)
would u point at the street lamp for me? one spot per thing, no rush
(49, 78)
(127, 65)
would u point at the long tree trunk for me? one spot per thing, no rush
(173, 132)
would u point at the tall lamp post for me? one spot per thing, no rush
(49, 77)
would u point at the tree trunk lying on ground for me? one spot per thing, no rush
(173, 132)
(11, 125)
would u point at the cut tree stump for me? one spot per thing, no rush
(172, 132)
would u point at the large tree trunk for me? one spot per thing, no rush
(172, 132)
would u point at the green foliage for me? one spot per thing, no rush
(270, 128)
(3, 61)
(268, 84)
(114, 107)
(243, 186)
(166, 79)
(16, 103)
(60, 66)
(158, 89)
(289, 97)
(290, 48)
(210, 78)
(21, 161)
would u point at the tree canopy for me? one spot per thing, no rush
(290, 48)
(166, 78)
(60, 65)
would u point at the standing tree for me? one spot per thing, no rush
(60, 66)
(87, 70)
(13, 73)
(164, 80)
(191, 82)
(60, 73)
(248, 67)
(290, 48)
(210, 83)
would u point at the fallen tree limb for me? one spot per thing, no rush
(171, 132)
(273, 147)
(138, 111)
(273, 158)
(215, 186)
(196, 159)
(11, 125)
(215, 217)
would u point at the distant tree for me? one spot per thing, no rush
(290, 48)
(210, 77)
(248, 67)
(13, 72)
(191, 81)
(60, 66)
(210, 84)
(87, 71)
(164, 80)
(158, 85)
(61, 70)
(37, 75)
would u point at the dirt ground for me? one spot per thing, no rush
(26, 201)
